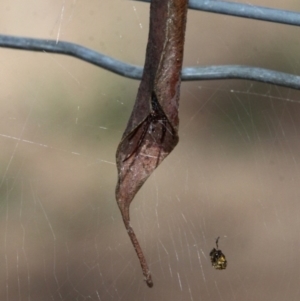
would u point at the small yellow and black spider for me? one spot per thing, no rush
(217, 258)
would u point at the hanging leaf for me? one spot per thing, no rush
(152, 130)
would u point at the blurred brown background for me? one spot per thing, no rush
(235, 173)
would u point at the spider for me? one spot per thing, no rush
(156, 115)
(217, 258)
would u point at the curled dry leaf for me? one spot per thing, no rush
(152, 130)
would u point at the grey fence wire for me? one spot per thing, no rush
(188, 73)
(244, 11)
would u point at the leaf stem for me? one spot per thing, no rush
(140, 254)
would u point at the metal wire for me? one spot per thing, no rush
(189, 73)
(75, 50)
(245, 11)
(135, 72)
(241, 72)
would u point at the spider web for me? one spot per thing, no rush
(235, 172)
